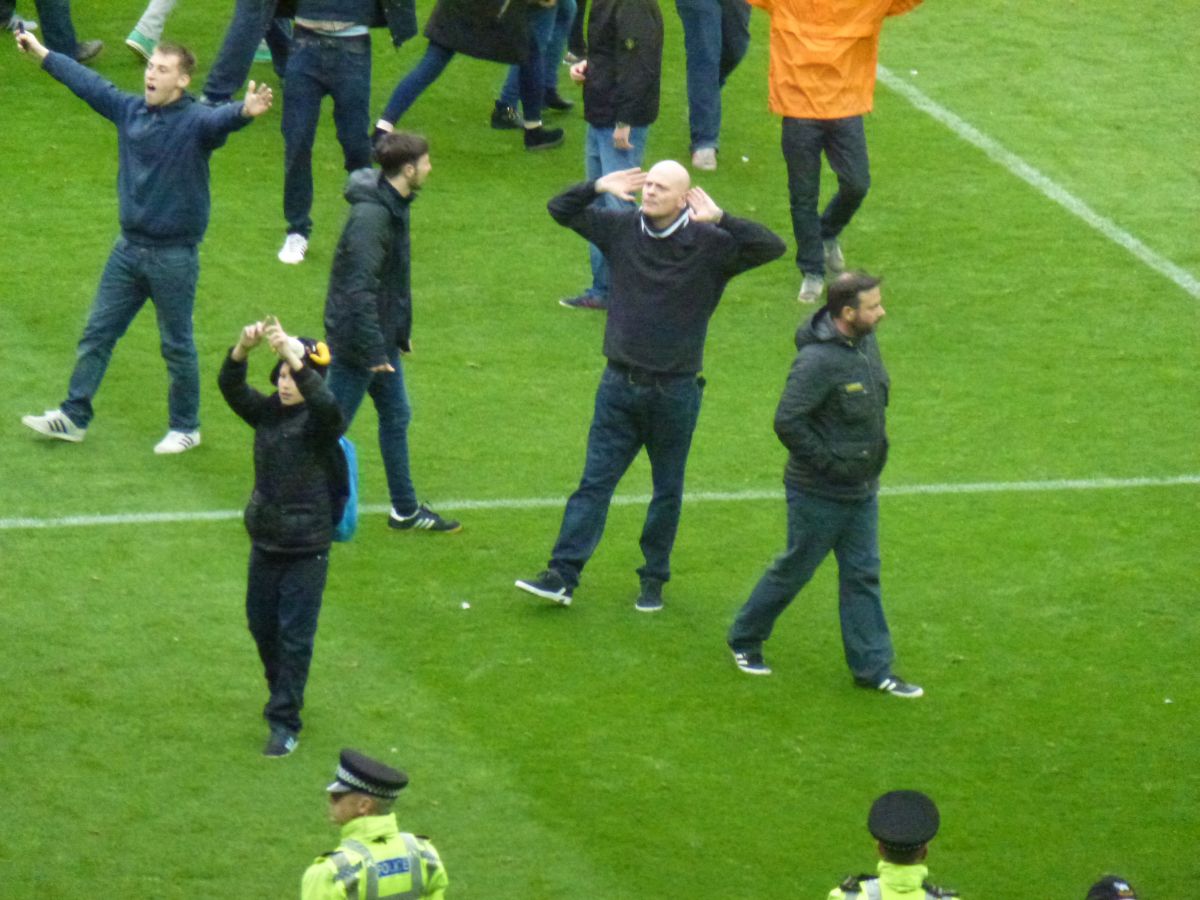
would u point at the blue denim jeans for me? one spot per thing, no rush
(551, 27)
(844, 143)
(815, 526)
(349, 384)
(318, 67)
(601, 157)
(283, 602)
(411, 86)
(658, 416)
(134, 274)
(716, 35)
(252, 20)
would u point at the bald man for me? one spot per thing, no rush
(669, 262)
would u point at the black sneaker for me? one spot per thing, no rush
(280, 743)
(584, 301)
(552, 99)
(751, 662)
(541, 138)
(424, 519)
(896, 686)
(549, 584)
(649, 599)
(505, 118)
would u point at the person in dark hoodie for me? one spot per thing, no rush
(368, 312)
(620, 79)
(831, 418)
(164, 141)
(291, 513)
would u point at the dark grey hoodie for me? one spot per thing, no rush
(831, 416)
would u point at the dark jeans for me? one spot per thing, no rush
(349, 385)
(318, 67)
(134, 274)
(283, 601)
(815, 526)
(844, 143)
(252, 20)
(577, 42)
(658, 416)
(434, 62)
(54, 16)
(716, 35)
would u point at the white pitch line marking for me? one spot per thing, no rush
(1042, 183)
(979, 487)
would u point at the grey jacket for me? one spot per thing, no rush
(831, 416)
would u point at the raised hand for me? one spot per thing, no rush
(257, 101)
(622, 184)
(702, 206)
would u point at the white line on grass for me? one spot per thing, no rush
(1040, 182)
(980, 487)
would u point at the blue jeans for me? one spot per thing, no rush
(252, 20)
(349, 384)
(844, 143)
(320, 66)
(658, 416)
(601, 157)
(716, 35)
(283, 601)
(134, 274)
(551, 27)
(815, 526)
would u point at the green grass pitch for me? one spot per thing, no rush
(592, 752)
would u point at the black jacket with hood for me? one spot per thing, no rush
(368, 308)
(292, 509)
(831, 416)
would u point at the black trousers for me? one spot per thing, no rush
(283, 601)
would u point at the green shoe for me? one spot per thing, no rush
(141, 46)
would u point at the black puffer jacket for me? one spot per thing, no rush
(291, 509)
(368, 308)
(831, 416)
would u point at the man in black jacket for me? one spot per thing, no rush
(290, 514)
(368, 312)
(620, 81)
(670, 262)
(831, 418)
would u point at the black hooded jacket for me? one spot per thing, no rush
(368, 307)
(831, 416)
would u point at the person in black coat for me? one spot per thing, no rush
(290, 516)
(494, 30)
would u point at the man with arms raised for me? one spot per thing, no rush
(669, 262)
(164, 141)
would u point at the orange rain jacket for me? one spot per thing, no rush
(823, 54)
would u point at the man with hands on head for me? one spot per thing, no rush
(291, 513)
(669, 261)
(164, 141)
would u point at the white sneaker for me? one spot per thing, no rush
(810, 288)
(835, 261)
(293, 249)
(55, 423)
(178, 442)
(15, 21)
(705, 159)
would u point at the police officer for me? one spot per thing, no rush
(1112, 887)
(375, 860)
(903, 823)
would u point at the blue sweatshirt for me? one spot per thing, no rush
(162, 154)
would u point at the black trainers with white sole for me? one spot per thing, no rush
(751, 662)
(894, 685)
(548, 585)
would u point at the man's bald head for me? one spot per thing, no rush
(664, 194)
